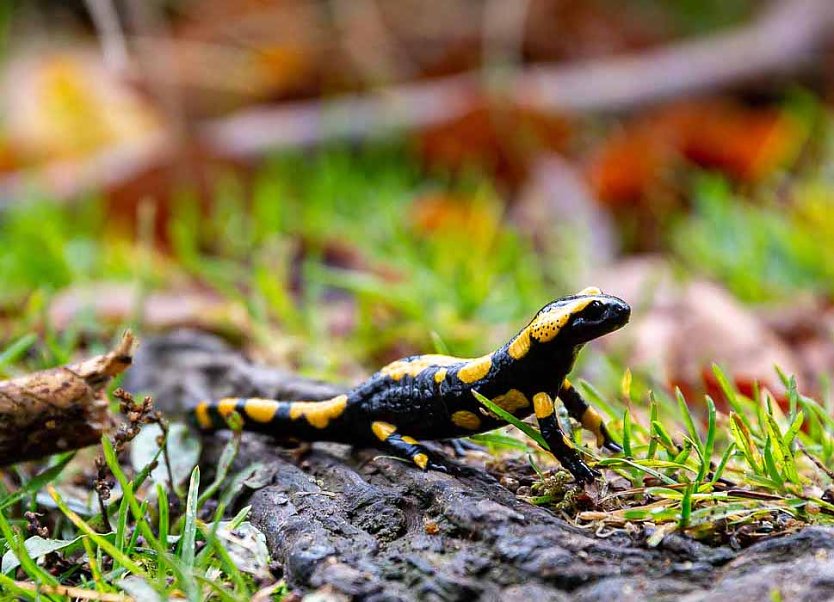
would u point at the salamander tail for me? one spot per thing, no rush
(295, 419)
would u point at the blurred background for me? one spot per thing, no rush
(332, 184)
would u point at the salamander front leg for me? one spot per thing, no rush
(581, 411)
(461, 446)
(560, 445)
(407, 447)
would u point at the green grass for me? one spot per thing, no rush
(173, 559)
(757, 464)
(279, 254)
(764, 250)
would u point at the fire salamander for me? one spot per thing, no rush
(430, 396)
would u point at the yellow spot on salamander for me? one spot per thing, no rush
(260, 410)
(476, 369)
(383, 430)
(319, 413)
(466, 419)
(592, 421)
(226, 406)
(414, 366)
(591, 290)
(567, 442)
(512, 401)
(440, 375)
(543, 405)
(520, 345)
(409, 440)
(566, 384)
(201, 414)
(421, 460)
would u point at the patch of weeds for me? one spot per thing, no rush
(153, 542)
(736, 476)
(764, 251)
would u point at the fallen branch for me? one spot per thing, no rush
(781, 40)
(73, 592)
(59, 409)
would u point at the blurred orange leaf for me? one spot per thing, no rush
(746, 144)
(504, 141)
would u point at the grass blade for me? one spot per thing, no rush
(100, 541)
(510, 419)
(189, 531)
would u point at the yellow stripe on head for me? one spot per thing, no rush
(590, 291)
(547, 324)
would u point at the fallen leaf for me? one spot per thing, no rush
(114, 303)
(37, 547)
(503, 141)
(183, 450)
(66, 105)
(679, 329)
(246, 545)
(746, 144)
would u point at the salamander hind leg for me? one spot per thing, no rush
(560, 445)
(581, 411)
(407, 447)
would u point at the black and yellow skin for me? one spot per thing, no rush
(430, 396)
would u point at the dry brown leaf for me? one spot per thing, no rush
(679, 329)
(67, 105)
(59, 409)
(502, 140)
(112, 304)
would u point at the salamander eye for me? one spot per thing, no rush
(594, 310)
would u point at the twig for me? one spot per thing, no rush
(779, 41)
(816, 461)
(113, 45)
(73, 592)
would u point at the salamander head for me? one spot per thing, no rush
(572, 321)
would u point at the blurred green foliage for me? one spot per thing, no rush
(761, 251)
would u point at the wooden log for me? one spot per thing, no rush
(59, 409)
